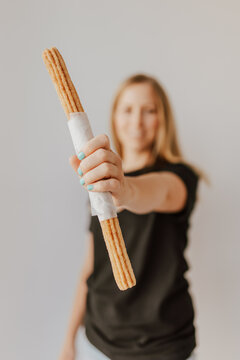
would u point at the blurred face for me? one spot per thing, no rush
(136, 117)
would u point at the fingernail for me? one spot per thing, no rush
(82, 181)
(90, 187)
(81, 155)
(80, 171)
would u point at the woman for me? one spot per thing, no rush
(154, 191)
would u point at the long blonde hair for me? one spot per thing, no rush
(166, 143)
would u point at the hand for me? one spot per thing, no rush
(102, 168)
(68, 351)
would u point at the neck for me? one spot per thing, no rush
(136, 160)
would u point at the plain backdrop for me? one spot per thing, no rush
(192, 47)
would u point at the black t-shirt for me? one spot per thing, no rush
(154, 320)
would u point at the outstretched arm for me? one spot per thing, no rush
(161, 192)
(101, 168)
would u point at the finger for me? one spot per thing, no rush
(112, 185)
(99, 141)
(103, 171)
(100, 156)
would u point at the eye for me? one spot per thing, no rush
(151, 111)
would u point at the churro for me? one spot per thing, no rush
(121, 265)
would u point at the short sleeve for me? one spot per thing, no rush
(90, 217)
(190, 178)
(90, 223)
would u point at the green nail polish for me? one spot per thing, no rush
(81, 155)
(82, 181)
(90, 187)
(80, 171)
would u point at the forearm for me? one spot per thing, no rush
(78, 310)
(142, 197)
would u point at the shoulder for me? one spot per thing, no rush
(189, 177)
(185, 171)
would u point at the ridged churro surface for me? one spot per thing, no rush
(62, 81)
(120, 262)
(121, 266)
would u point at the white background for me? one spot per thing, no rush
(192, 47)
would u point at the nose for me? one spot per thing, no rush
(137, 119)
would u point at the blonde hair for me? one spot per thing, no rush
(166, 143)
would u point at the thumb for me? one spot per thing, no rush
(74, 162)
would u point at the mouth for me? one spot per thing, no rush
(136, 136)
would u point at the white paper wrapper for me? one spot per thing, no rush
(101, 202)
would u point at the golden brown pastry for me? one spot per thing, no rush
(121, 266)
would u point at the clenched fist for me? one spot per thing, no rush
(100, 169)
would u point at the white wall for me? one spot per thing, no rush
(193, 49)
